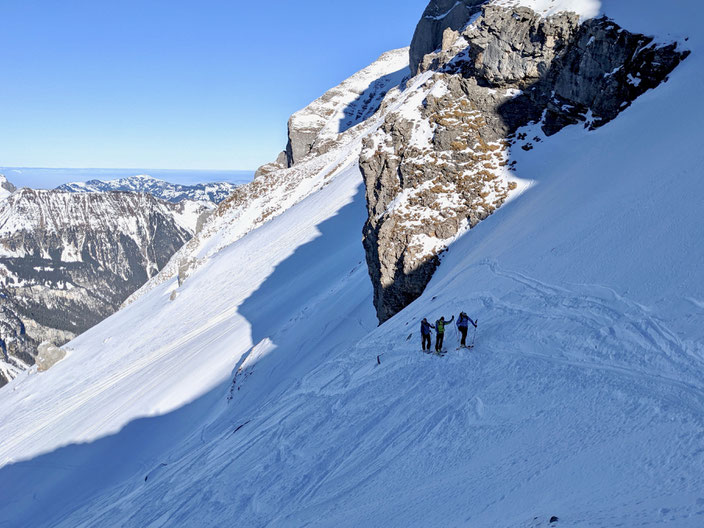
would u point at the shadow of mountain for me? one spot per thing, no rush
(46, 489)
(296, 308)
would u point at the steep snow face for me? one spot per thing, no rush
(276, 189)
(582, 398)
(171, 192)
(226, 317)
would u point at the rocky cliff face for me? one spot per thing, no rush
(17, 349)
(316, 128)
(442, 163)
(68, 260)
(439, 15)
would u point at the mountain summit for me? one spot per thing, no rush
(6, 188)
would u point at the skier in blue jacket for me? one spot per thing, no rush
(425, 327)
(462, 325)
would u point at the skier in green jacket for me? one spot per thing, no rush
(440, 329)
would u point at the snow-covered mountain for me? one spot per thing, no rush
(68, 260)
(255, 388)
(329, 147)
(171, 192)
(6, 188)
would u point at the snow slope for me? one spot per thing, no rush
(582, 399)
(272, 193)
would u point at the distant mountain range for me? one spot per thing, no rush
(170, 192)
(70, 256)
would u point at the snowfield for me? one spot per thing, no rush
(583, 398)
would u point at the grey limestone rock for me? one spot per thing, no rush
(48, 356)
(443, 166)
(438, 16)
(5, 184)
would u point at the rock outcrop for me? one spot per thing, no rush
(438, 16)
(6, 185)
(334, 126)
(6, 188)
(441, 163)
(315, 129)
(48, 356)
(17, 349)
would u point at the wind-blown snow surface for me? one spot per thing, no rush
(583, 397)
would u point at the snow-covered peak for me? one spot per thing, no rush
(584, 8)
(6, 188)
(171, 192)
(346, 105)
(270, 194)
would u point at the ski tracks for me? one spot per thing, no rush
(601, 330)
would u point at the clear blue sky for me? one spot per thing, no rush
(179, 84)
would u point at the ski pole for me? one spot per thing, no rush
(476, 323)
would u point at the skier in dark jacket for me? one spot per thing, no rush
(425, 327)
(440, 329)
(463, 322)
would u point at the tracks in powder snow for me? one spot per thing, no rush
(604, 331)
(590, 327)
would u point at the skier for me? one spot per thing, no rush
(440, 329)
(425, 327)
(462, 325)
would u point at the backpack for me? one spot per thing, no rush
(440, 326)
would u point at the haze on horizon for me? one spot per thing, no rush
(176, 85)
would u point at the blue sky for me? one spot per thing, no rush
(205, 84)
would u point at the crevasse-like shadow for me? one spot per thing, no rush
(311, 301)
